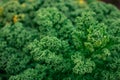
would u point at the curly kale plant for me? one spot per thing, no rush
(59, 40)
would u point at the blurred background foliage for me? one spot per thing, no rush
(114, 2)
(67, 24)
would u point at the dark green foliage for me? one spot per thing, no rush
(51, 52)
(82, 65)
(89, 33)
(16, 63)
(53, 23)
(59, 40)
(29, 74)
(5, 55)
(104, 11)
(16, 35)
(10, 9)
(69, 7)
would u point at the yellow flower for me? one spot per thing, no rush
(15, 18)
(1, 11)
(18, 17)
(82, 1)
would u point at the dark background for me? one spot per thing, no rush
(114, 2)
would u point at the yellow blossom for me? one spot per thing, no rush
(1, 11)
(15, 18)
(82, 1)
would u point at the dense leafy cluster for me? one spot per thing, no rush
(59, 40)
